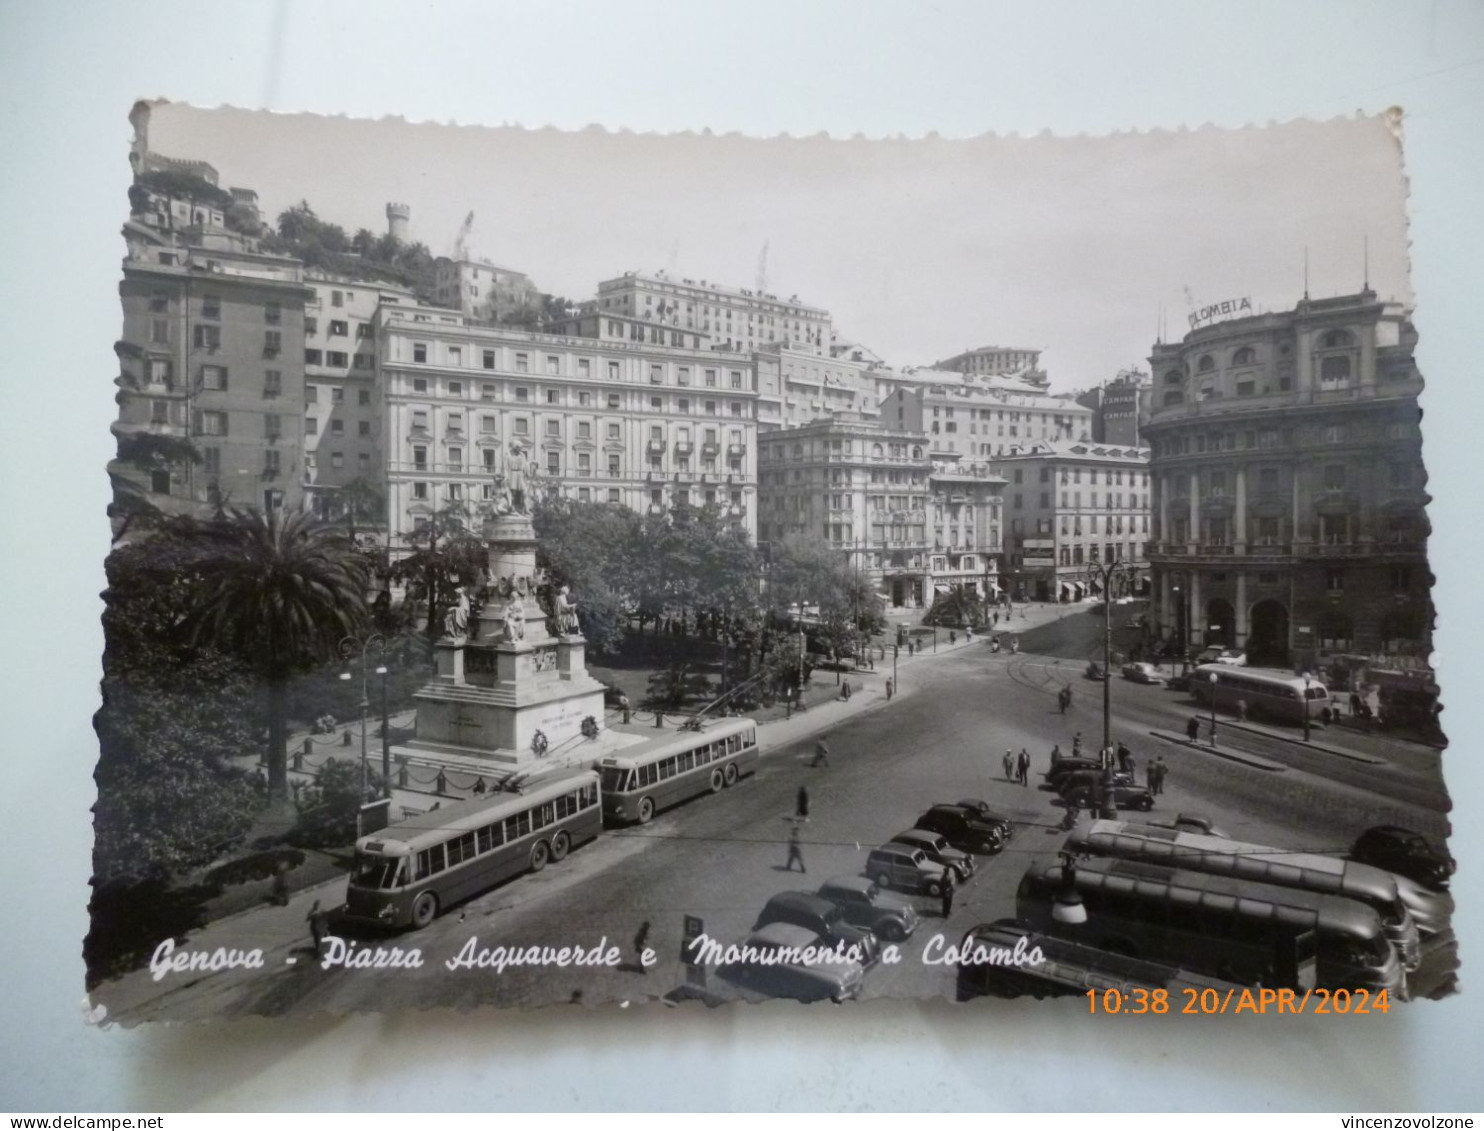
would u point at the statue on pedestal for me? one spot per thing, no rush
(516, 478)
(566, 613)
(456, 620)
(500, 501)
(515, 621)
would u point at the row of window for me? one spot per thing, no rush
(337, 328)
(459, 849)
(1270, 438)
(1331, 530)
(1400, 474)
(521, 363)
(210, 307)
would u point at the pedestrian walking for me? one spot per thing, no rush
(623, 705)
(889, 689)
(1160, 770)
(1056, 754)
(1023, 767)
(1009, 764)
(947, 893)
(801, 806)
(281, 884)
(641, 943)
(1125, 757)
(1151, 772)
(1193, 728)
(319, 927)
(821, 753)
(795, 851)
(1077, 745)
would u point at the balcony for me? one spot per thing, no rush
(655, 447)
(710, 451)
(737, 450)
(655, 509)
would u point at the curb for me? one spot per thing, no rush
(1278, 736)
(1231, 755)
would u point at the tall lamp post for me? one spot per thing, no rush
(1214, 679)
(349, 647)
(1307, 678)
(1104, 573)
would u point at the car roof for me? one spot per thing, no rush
(895, 849)
(917, 836)
(783, 934)
(858, 884)
(803, 901)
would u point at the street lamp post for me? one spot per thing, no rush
(1179, 625)
(1214, 680)
(348, 648)
(1105, 573)
(1306, 706)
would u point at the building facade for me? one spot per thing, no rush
(482, 290)
(998, 361)
(342, 388)
(1070, 506)
(641, 425)
(737, 319)
(966, 520)
(796, 387)
(1289, 488)
(980, 423)
(212, 355)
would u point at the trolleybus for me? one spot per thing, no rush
(408, 873)
(1275, 695)
(695, 762)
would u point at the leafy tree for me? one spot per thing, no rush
(277, 592)
(956, 608)
(591, 547)
(328, 806)
(445, 555)
(673, 684)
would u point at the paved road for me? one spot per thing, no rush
(722, 857)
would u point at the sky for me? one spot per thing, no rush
(1083, 247)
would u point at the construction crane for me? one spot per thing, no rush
(461, 241)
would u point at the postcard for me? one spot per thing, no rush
(590, 568)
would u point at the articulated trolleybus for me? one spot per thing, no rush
(703, 761)
(410, 872)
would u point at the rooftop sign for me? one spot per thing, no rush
(1231, 308)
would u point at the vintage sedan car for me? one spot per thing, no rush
(1095, 671)
(825, 919)
(1221, 656)
(1142, 673)
(907, 868)
(866, 905)
(1083, 791)
(766, 969)
(964, 829)
(1189, 823)
(1064, 766)
(982, 810)
(939, 851)
(1405, 852)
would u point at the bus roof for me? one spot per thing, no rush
(1295, 906)
(1192, 850)
(689, 740)
(435, 825)
(1233, 674)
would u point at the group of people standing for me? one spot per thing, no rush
(1018, 769)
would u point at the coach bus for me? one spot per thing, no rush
(1066, 968)
(1267, 694)
(1233, 929)
(410, 872)
(696, 762)
(1309, 871)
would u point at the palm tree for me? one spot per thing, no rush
(279, 592)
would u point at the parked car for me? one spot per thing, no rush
(1221, 656)
(906, 868)
(1189, 823)
(1067, 766)
(988, 815)
(1142, 673)
(964, 829)
(1405, 852)
(825, 919)
(939, 851)
(1178, 682)
(1095, 671)
(864, 904)
(818, 981)
(1083, 791)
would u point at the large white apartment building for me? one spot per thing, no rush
(979, 423)
(736, 318)
(796, 387)
(640, 424)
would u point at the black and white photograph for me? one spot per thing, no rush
(589, 569)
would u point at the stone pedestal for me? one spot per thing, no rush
(512, 674)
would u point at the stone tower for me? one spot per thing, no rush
(512, 685)
(397, 218)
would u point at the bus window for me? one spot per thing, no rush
(489, 837)
(517, 826)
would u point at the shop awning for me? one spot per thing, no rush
(940, 589)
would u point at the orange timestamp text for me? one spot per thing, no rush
(1137, 1000)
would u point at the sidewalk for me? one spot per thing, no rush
(1253, 760)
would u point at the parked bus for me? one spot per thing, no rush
(635, 788)
(1328, 875)
(1275, 695)
(1234, 929)
(986, 965)
(410, 872)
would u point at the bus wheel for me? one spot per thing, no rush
(540, 854)
(716, 781)
(730, 773)
(646, 810)
(424, 910)
(561, 844)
